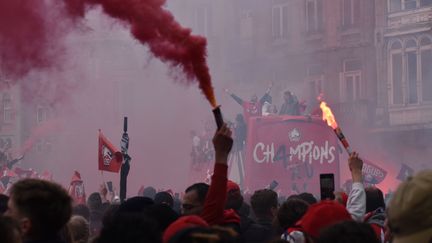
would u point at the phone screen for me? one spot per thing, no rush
(327, 186)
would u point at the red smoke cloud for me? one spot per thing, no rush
(156, 27)
(29, 36)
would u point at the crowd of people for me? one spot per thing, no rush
(40, 211)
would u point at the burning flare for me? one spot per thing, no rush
(327, 115)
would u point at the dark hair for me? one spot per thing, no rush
(46, 204)
(262, 201)
(149, 192)
(201, 189)
(213, 234)
(348, 231)
(81, 210)
(308, 197)
(3, 203)
(9, 230)
(164, 198)
(374, 199)
(130, 227)
(291, 211)
(94, 201)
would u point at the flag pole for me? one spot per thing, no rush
(124, 172)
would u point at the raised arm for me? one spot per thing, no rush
(214, 204)
(356, 204)
(235, 97)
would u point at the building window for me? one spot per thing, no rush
(410, 72)
(280, 21)
(396, 73)
(426, 70)
(7, 108)
(314, 15)
(41, 114)
(315, 81)
(351, 87)
(351, 13)
(202, 20)
(411, 67)
(425, 3)
(397, 5)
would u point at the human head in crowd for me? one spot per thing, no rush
(193, 200)
(9, 230)
(194, 229)
(79, 229)
(164, 198)
(149, 192)
(109, 214)
(348, 232)
(3, 203)
(162, 214)
(130, 227)
(318, 217)
(234, 196)
(264, 204)
(135, 205)
(288, 96)
(181, 224)
(410, 210)
(308, 197)
(374, 199)
(42, 208)
(290, 212)
(94, 202)
(82, 210)
(254, 98)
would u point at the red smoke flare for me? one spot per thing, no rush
(29, 36)
(156, 27)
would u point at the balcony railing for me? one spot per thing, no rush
(359, 112)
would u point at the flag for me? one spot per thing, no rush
(76, 189)
(110, 158)
(405, 172)
(372, 173)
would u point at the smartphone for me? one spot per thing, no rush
(109, 186)
(273, 185)
(327, 186)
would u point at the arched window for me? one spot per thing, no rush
(395, 67)
(411, 70)
(426, 67)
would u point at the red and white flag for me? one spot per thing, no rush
(76, 189)
(110, 158)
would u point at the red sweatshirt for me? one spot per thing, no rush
(214, 212)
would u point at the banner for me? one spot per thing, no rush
(372, 174)
(109, 157)
(76, 189)
(291, 150)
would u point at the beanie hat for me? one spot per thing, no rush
(410, 210)
(181, 224)
(322, 215)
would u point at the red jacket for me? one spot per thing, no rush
(214, 212)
